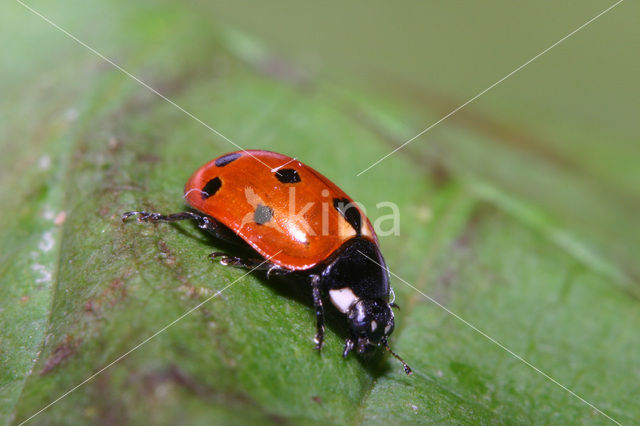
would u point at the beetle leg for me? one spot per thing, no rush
(249, 263)
(317, 302)
(204, 222)
(348, 346)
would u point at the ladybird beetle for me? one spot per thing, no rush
(302, 224)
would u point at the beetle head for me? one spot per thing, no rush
(371, 321)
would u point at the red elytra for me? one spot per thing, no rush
(301, 225)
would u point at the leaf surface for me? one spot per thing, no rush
(534, 270)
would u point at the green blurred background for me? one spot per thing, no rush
(519, 213)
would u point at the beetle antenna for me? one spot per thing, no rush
(407, 369)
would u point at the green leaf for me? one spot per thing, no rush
(534, 270)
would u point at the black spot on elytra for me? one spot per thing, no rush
(263, 214)
(288, 176)
(226, 159)
(211, 188)
(350, 212)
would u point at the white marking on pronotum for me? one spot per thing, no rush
(342, 298)
(374, 325)
(387, 329)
